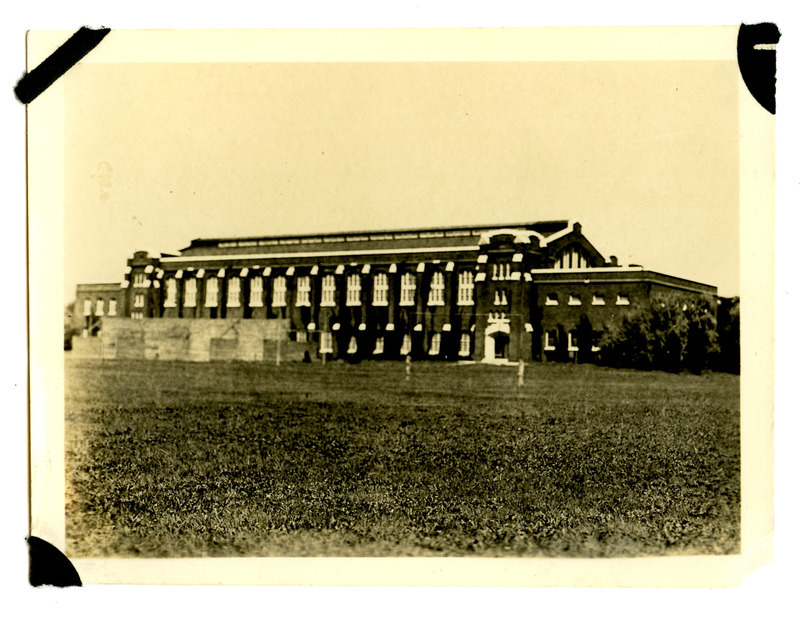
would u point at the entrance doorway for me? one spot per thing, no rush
(496, 343)
(501, 341)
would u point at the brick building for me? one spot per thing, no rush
(93, 302)
(535, 291)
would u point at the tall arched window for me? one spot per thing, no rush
(190, 299)
(279, 292)
(464, 345)
(572, 257)
(380, 290)
(436, 343)
(436, 292)
(212, 292)
(234, 289)
(328, 291)
(172, 293)
(353, 290)
(408, 285)
(257, 292)
(466, 285)
(303, 291)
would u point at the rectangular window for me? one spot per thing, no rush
(139, 280)
(326, 343)
(99, 311)
(378, 346)
(190, 299)
(574, 299)
(87, 308)
(408, 287)
(552, 299)
(212, 292)
(328, 291)
(353, 291)
(303, 291)
(112, 307)
(436, 293)
(172, 293)
(138, 300)
(598, 299)
(257, 292)
(380, 290)
(406, 347)
(234, 290)
(279, 292)
(572, 341)
(501, 271)
(301, 336)
(550, 340)
(436, 342)
(466, 286)
(463, 349)
(352, 347)
(622, 299)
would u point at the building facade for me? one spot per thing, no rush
(535, 291)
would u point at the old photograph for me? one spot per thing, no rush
(447, 298)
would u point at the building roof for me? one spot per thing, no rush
(420, 238)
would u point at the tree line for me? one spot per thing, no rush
(674, 332)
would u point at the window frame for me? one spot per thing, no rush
(406, 345)
(572, 341)
(380, 289)
(436, 289)
(464, 350)
(435, 348)
(234, 292)
(256, 298)
(326, 342)
(353, 294)
(303, 298)
(328, 298)
(212, 292)
(466, 288)
(279, 288)
(408, 289)
(190, 293)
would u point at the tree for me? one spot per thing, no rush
(671, 332)
(728, 357)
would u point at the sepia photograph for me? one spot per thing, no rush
(427, 295)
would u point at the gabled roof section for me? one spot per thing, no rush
(422, 238)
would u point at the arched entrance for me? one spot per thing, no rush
(496, 342)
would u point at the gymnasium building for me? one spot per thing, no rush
(531, 292)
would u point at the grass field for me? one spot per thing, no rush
(237, 459)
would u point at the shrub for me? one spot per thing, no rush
(671, 333)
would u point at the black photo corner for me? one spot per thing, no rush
(756, 53)
(49, 567)
(74, 49)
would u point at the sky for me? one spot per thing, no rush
(643, 154)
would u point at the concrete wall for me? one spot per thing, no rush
(194, 340)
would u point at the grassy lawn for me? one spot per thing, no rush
(248, 459)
